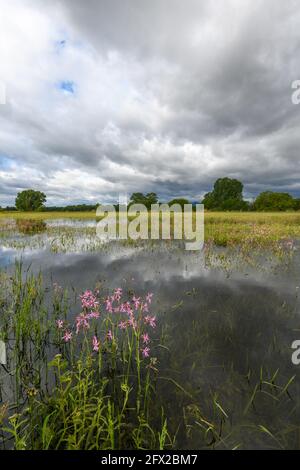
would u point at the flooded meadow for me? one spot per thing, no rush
(121, 344)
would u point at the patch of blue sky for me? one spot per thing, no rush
(67, 86)
(5, 162)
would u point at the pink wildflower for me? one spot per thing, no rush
(125, 308)
(150, 321)
(117, 294)
(89, 300)
(93, 315)
(145, 338)
(123, 325)
(132, 322)
(136, 302)
(96, 344)
(59, 324)
(109, 335)
(144, 307)
(67, 336)
(146, 351)
(82, 322)
(109, 307)
(149, 297)
(130, 312)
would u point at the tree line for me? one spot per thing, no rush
(226, 195)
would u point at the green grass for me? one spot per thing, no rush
(224, 228)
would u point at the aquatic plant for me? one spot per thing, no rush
(98, 392)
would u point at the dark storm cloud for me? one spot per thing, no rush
(167, 96)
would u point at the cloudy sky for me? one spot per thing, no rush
(113, 96)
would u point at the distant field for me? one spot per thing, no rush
(222, 228)
(47, 215)
(215, 216)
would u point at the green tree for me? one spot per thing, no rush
(297, 204)
(226, 195)
(181, 201)
(146, 199)
(30, 200)
(272, 201)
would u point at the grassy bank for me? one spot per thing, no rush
(46, 215)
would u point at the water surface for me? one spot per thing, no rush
(226, 329)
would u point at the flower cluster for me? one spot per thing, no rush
(134, 311)
(131, 314)
(89, 300)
